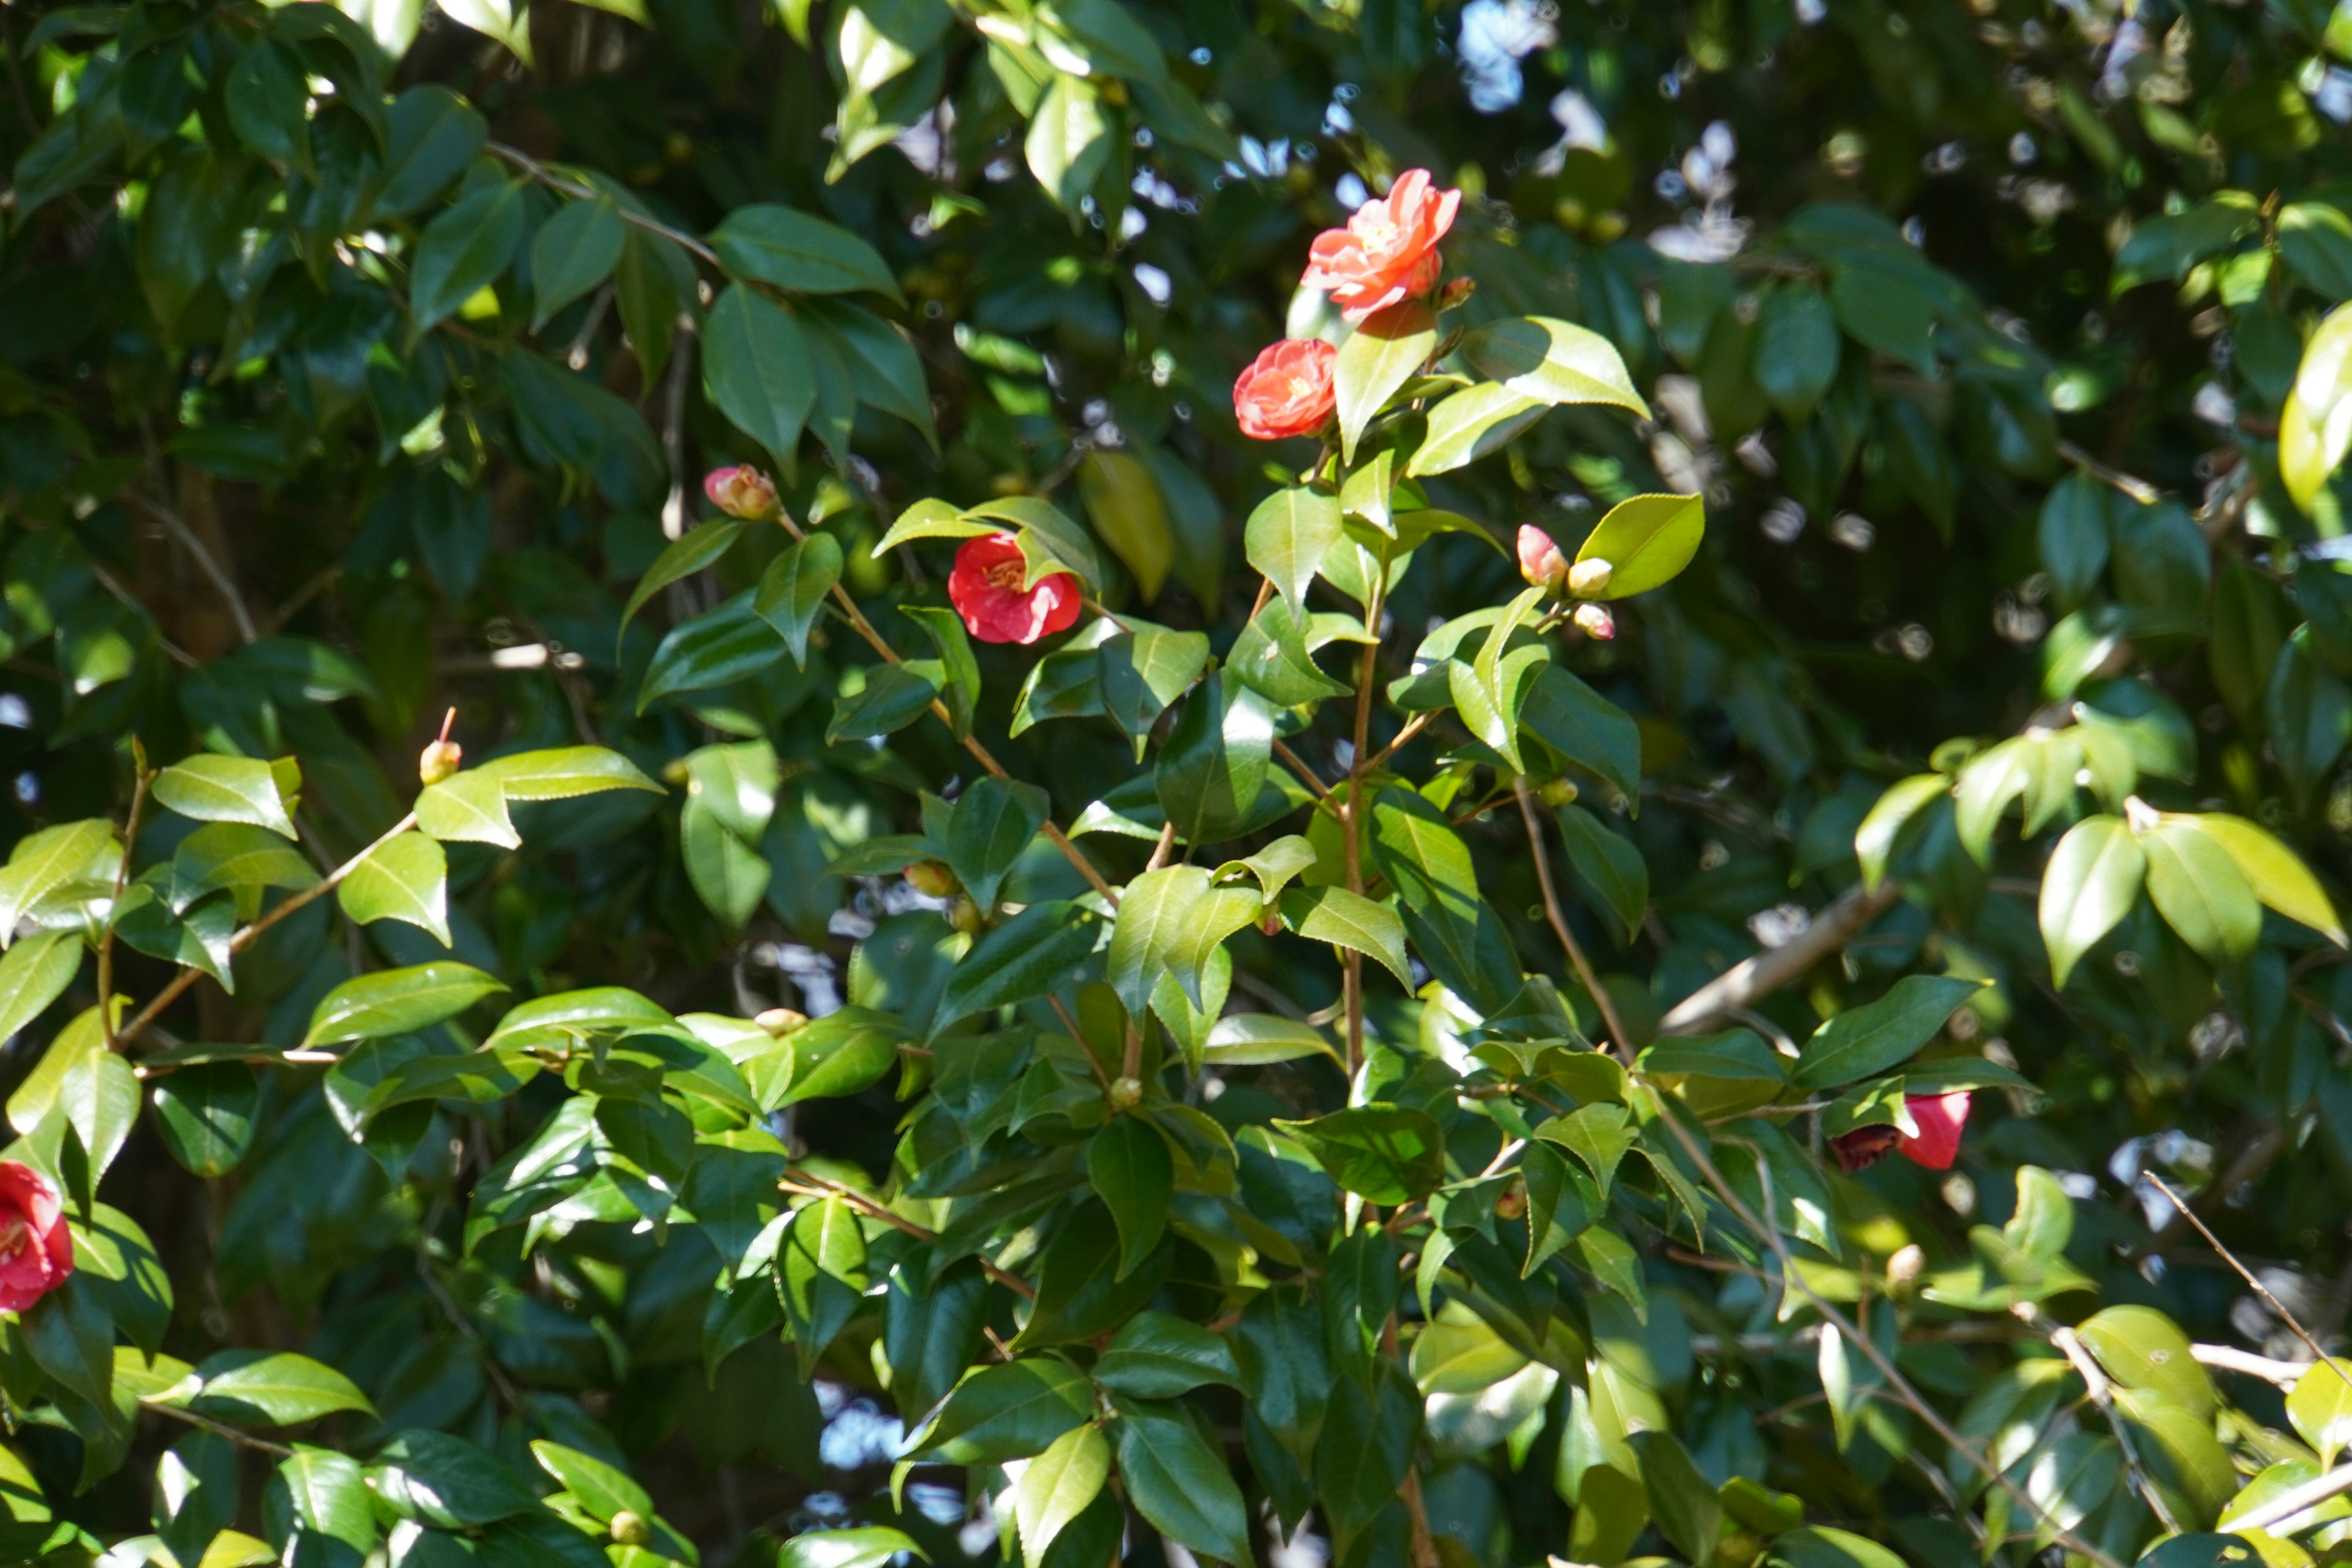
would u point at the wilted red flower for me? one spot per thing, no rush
(36, 1250)
(986, 589)
(1940, 1119)
(1541, 561)
(1388, 252)
(1287, 390)
(740, 492)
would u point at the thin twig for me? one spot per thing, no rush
(554, 182)
(210, 563)
(2287, 1504)
(2094, 1378)
(1298, 765)
(246, 938)
(219, 1429)
(140, 780)
(2140, 489)
(2246, 1274)
(1412, 726)
(1752, 979)
(112, 584)
(1358, 754)
(817, 1186)
(1584, 972)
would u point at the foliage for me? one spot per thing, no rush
(831, 1059)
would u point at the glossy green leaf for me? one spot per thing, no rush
(1866, 1040)
(1287, 538)
(1213, 764)
(1035, 952)
(1158, 1356)
(573, 252)
(1009, 1411)
(1128, 1166)
(235, 855)
(792, 590)
(1470, 424)
(1179, 1483)
(800, 252)
(224, 789)
(1607, 870)
(33, 973)
(689, 553)
(1555, 361)
(1082, 1289)
(1384, 351)
(208, 1114)
(463, 251)
(995, 821)
(2196, 886)
(1387, 1153)
(756, 369)
(1056, 1487)
(396, 1002)
(275, 1389)
(1646, 539)
(2319, 1407)
(404, 879)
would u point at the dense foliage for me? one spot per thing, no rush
(1665, 894)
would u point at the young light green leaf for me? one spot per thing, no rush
(564, 771)
(406, 878)
(1383, 352)
(470, 807)
(44, 861)
(2319, 1407)
(1881, 825)
(2278, 876)
(233, 855)
(1471, 422)
(1350, 920)
(2090, 884)
(1286, 539)
(2316, 426)
(1056, 1487)
(1555, 361)
(224, 789)
(2197, 887)
(1647, 541)
(396, 1002)
(33, 973)
(275, 1389)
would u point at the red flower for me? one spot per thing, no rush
(1287, 390)
(743, 492)
(986, 589)
(1940, 1119)
(1388, 252)
(1541, 561)
(36, 1250)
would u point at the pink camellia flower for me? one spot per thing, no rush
(1287, 390)
(36, 1250)
(1595, 622)
(986, 589)
(1940, 1119)
(742, 491)
(1388, 252)
(1541, 561)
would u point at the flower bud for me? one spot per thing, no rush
(1457, 291)
(1125, 1091)
(1590, 579)
(631, 1529)
(1905, 1267)
(1558, 792)
(1541, 561)
(742, 491)
(1595, 622)
(1513, 1203)
(930, 879)
(780, 1021)
(1270, 923)
(964, 915)
(443, 757)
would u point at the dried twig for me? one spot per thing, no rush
(1752, 979)
(2162, 1185)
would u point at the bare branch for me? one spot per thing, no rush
(1752, 979)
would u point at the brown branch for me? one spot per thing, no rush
(2162, 1185)
(2095, 1379)
(2140, 489)
(1584, 966)
(1752, 979)
(819, 1187)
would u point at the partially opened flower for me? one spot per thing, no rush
(1940, 1119)
(36, 1250)
(1287, 390)
(1388, 252)
(986, 589)
(740, 492)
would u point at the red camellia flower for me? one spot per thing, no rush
(36, 1250)
(1940, 1119)
(1388, 252)
(1287, 389)
(743, 492)
(985, 587)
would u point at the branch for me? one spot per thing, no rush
(1752, 979)
(2138, 489)
(220, 1429)
(2287, 1504)
(1552, 912)
(2094, 1378)
(577, 192)
(141, 779)
(811, 1185)
(2246, 1274)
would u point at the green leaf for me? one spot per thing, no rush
(1609, 871)
(791, 593)
(1647, 541)
(2319, 1407)
(2197, 887)
(839, 1054)
(1142, 670)
(1209, 774)
(275, 1389)
(729, 875)
(2316, 240)
(1882, 827)
(1155, 1355)
(470, 807)
(1563, 1204)
(404, 879)
(1128, 1166)
(1081, 1292)
(2315, 425)
(1036, 951)
(727, 644)
(1554, 361)
(207, 1114)
(233, 855)
(574, 252)
(265, 97)
(1179, 1484)
(1382, 353)
(861, 1546)
(1275, 656)
(1736, 1054)
(601, 1489)
(462, 251)
(1286, 539)
(1598, 1135)
(1865, 1041)
(432, 135)
(438, 1479)
(33, 973)
(2277, 875)
(1587, 729)
(756, 369)
(1387, 1153)
(1471, 422)
(565, 773)
(2090, 884)
(1683, 1501)
(1257, 1039)
(1069, 140)
(396, 1002)
(1011, 1411)
(1351, 921)
(326, 1495)
(821, 1275)
(994, 822)
(42, 862)
(1170, 922)
(1123, 501)
(1364, 1452)
(796, 251)
(1457, 933)
(695, 550)
(1796, 360)
(1056, 1487)
(224, 789)
(2141, 1348)
(1818, 1546)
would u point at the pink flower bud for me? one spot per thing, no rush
(743, 492)
(1595, 621)
(443, 757)
(1590, 579)
(1541, 561)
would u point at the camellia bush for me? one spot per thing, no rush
(1375, 784)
